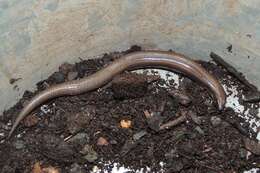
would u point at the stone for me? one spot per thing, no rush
(72, 75)
(89, 153)
(19, 144)
(113, 142)
(139, 135)
(182, 97)
(79, 138)
(76, 168)
(199, 130)
(215, 121)
(57, 77)
(102, 141)
(65, 68)
(243, 153)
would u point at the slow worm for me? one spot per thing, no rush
(161, 59)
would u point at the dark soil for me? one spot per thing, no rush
(75, 133)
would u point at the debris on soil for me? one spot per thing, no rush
(177, 131)
(57, 78)
(102, 141)
(139, 135)
(154, 120)
(125, 123)
(13, 80)
(72, 75)
(229, 48)
(128, 146)
(37, 168)
(76, 122)
(182, 118)
(89, 153)
(30, 120)
(252, 97)
(252, 146)
(215, 121)
(66, 68)
(232, 70)
(194, 117)
(76, 168)
(182, 97)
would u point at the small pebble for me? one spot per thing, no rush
(89, 153)
(102, 141)
(194, 117)
(25, 103)
(199, 130)
(113, 142)
(65, 68)
(80, 138)
(57, 77)
(91, 157)
(215, 121)
(72, 75)
(19, 144)
(139, 135)
(243, 153)
(76, 168)
(182, 97)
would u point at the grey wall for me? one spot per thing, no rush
(38, 35)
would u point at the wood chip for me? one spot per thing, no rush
(37, 168)
(147, 114)
(125, 124)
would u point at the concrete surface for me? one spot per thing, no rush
(36, 36)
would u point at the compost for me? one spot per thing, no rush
(138, 121)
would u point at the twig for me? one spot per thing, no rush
(174, 122)
(232, 70)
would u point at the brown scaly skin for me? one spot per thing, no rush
(161, 59)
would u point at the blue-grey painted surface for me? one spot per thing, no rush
(38, 35)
